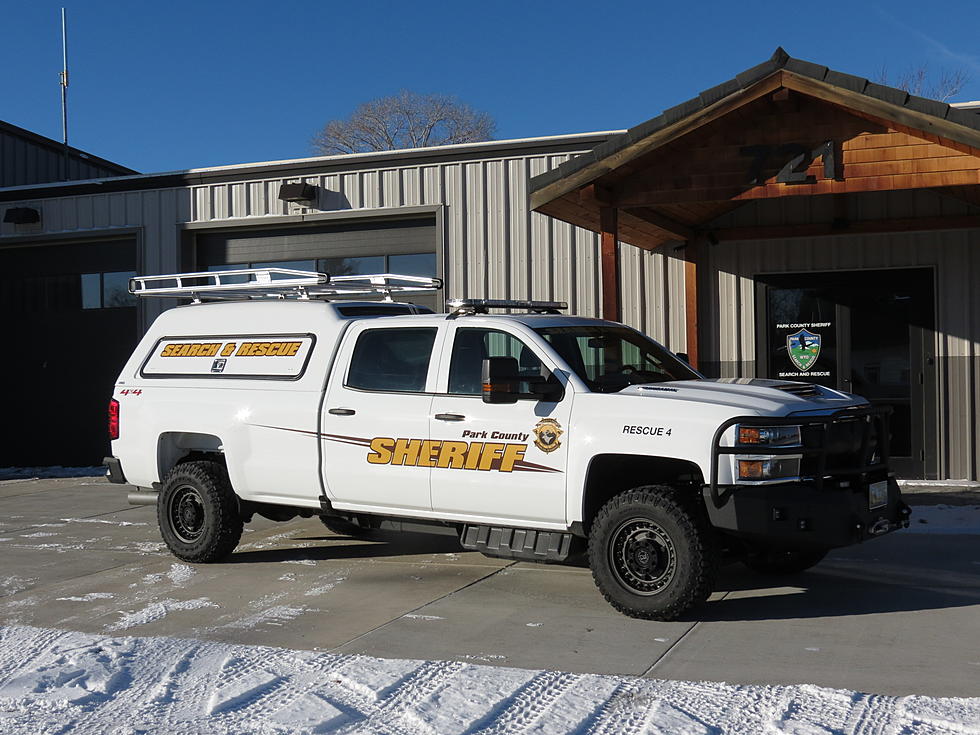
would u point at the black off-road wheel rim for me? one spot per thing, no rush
(642, 556)
(186, 514)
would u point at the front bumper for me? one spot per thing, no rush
(799, 515)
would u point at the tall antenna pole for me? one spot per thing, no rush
(64, 91)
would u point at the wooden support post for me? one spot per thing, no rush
(609, 256)
(691, 300)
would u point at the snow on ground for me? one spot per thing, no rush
(945, 519)
(59, 682)
(31, 473)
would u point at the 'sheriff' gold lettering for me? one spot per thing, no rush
(456, 455)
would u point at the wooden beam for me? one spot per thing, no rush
(609, 256)
(596, 194)
(691, 300)
(671, 226)
(786, 232)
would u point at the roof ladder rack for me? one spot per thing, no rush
(482, 306)
(275, 283)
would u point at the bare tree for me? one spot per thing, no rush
(917, 80)
(405, 120)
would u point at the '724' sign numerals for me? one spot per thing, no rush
(800, 158)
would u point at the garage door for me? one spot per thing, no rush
(403, 246)
(69, 324)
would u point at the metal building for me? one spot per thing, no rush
(28, 158)
(792, 222)
(458, 212)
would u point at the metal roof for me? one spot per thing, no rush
(967, 121)
(311, 166)
(54, 146)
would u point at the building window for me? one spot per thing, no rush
(107, 290)
(352, 266)
(412, 264)
(409, 264)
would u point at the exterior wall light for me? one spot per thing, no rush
(297, 192)
(22, 216)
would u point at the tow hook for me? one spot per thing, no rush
(882, 525)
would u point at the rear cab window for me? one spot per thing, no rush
(392, 360)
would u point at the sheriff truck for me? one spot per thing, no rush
(528, 435)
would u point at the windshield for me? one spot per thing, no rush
(608, 359)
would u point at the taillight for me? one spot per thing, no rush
(113, 419)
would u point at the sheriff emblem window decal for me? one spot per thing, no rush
(803, 348)
(547, 433)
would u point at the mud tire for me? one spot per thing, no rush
(653, 553)
(198, 513)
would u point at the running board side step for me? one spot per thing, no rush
(517, 543)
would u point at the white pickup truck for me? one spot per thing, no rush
(528, 435)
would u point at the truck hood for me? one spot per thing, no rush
(770, 397)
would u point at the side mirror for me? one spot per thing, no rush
(501, 380)
(683, 356)
(547, 388)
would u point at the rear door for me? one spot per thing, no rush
(375, 425)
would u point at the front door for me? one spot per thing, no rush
(500, 462)
(375, 425)
(863, 332)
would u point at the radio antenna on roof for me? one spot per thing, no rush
(64, 92)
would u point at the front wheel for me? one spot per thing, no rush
(652, 554)
(773, 561)
(198, 512)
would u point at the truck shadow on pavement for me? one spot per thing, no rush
(339, 548)
(914, 573)
(848, 587)
(825, 595)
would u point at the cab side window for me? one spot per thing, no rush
(472, 346)
(392, 359)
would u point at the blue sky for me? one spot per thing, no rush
(171, 85)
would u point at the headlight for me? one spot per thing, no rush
(769, 436)
(762, 468)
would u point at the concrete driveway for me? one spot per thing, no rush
(899, 615)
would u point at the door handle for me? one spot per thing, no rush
(342, 411)
(450, 417)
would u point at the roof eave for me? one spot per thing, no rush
(887, 103)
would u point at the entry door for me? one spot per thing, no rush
(507, 461)
(375, 425)
(864, 332)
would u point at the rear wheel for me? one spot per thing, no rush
(652, 553)
(198, 512)
(773, 561)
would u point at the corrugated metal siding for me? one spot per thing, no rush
(728, 326)
(494, 247)
(24, 162)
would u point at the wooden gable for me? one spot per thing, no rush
(784, 136)
(789, 144)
